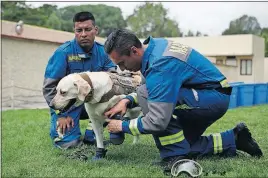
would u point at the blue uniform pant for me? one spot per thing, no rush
(195, 111)
(71, 137)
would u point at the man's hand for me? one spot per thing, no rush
(64, 123)
(120, 107)
(114, 126)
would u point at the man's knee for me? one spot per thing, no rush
(66, 140)
(67, 145)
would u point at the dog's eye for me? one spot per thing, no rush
(62, 92)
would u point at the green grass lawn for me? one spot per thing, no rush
(27, 150)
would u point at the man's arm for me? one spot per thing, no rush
(55, 70)
(163, 84)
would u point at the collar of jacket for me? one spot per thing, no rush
(81, 53)
(151, 43)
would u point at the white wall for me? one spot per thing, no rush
(266, 69)
(219, 45)
(258, 59)
(230, 72)
(24, 62)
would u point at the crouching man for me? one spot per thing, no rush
(184, 94)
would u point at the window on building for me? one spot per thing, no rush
(246, 67)
(219, 61)
(231, 61)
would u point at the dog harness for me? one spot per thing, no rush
(124, 83)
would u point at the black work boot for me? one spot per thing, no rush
(245, 142)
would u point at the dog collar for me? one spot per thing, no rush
(90, 94)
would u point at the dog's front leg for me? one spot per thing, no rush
(97, 125)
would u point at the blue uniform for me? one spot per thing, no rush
(70, 58)
(184, 94)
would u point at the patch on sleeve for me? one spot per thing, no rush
(177, 50)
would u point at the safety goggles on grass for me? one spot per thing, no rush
(187, 166)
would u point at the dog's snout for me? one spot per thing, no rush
(51, 104)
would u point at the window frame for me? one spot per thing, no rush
(219, 61)
(246, 67)
(234, 58)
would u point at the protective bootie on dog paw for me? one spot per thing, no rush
(100, 153)
(117, 138)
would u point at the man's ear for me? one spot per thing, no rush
(135, 50)
(97, 30)
(83, 89)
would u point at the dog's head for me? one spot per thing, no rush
(71, 90)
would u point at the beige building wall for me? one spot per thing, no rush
(266, 69)
(258, 59)
(24, 63)
(227, 45)
(242, 46)
(230, 72)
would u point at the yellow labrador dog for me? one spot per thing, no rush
(99, 91)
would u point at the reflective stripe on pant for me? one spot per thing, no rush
(171, 142)
(196, 110)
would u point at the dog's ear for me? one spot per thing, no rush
(83, 89)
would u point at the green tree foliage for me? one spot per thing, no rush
(244, 25)
(53, 22)
(151, 19)
(198, 33)
(46, 14)
(189, 34)
(107, 18)
(264, 34)
(14, 11)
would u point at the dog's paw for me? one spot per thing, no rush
(100, 154)
(117, 138)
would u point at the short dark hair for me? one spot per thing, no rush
(121, 40)
(83, 16)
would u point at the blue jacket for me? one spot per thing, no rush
(168, 66)
(70, 58)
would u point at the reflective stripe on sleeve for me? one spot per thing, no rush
(133, 126)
